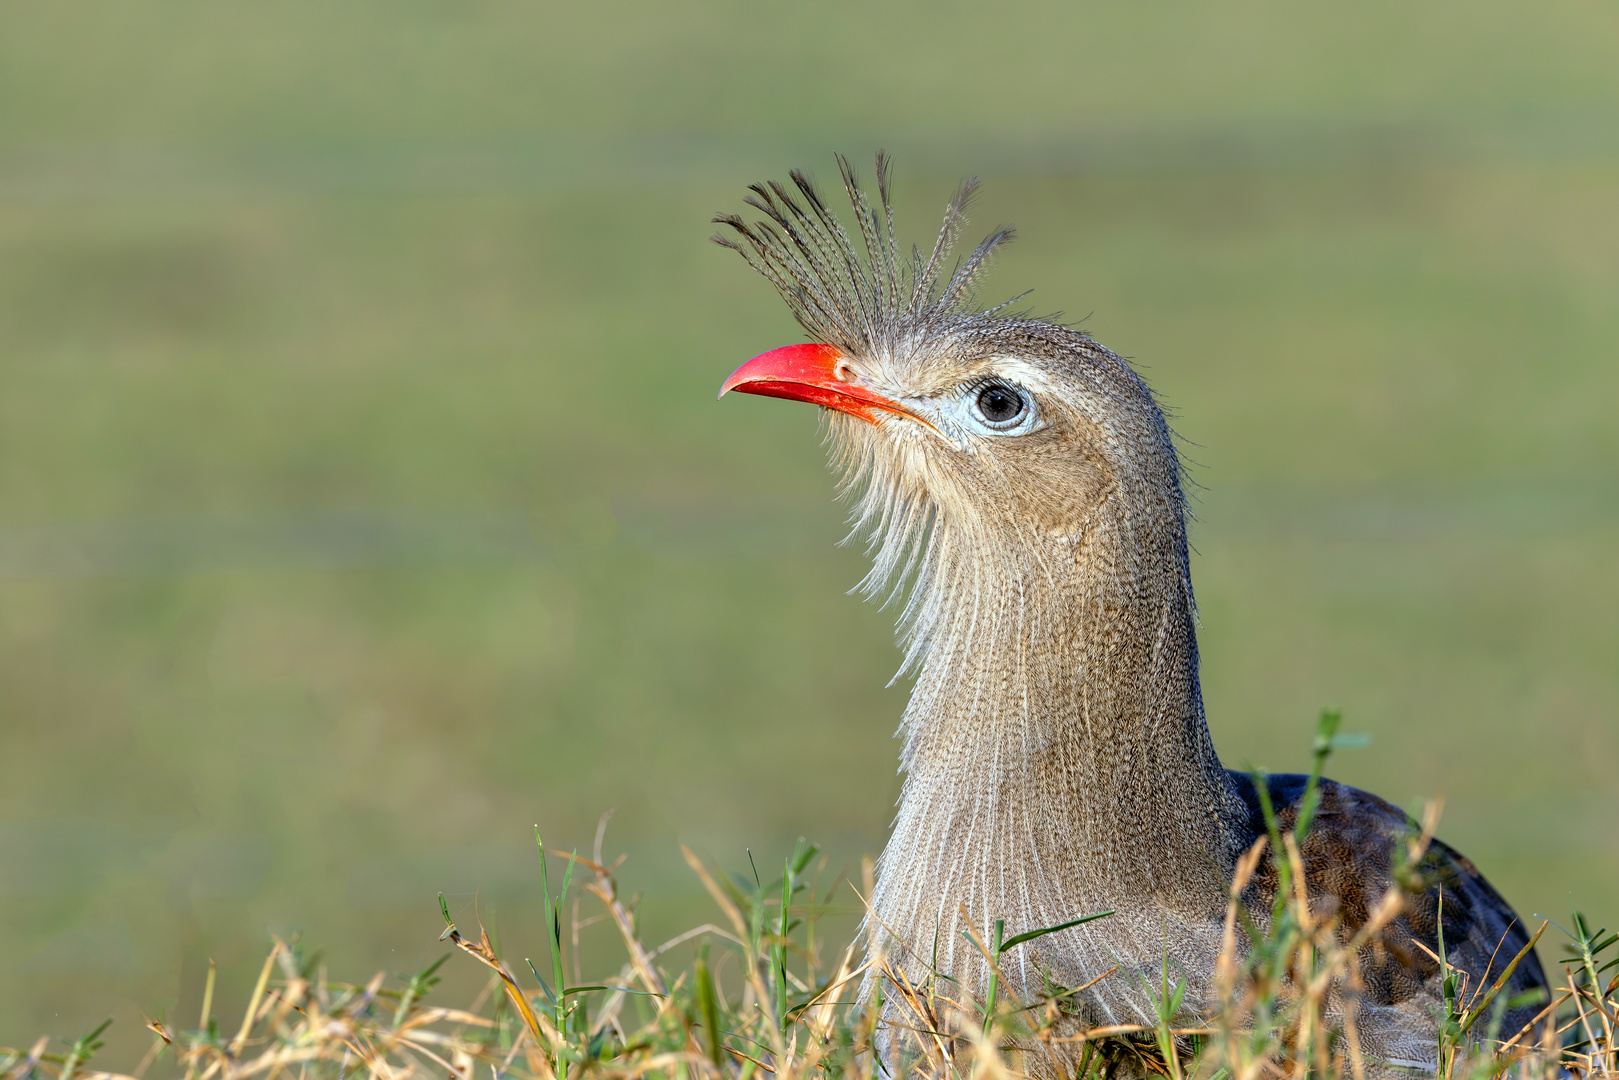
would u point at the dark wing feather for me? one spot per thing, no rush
(1348, 861)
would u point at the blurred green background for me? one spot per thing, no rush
(364, 499)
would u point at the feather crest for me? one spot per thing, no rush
(865, 300)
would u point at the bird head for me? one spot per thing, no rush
(986, 453)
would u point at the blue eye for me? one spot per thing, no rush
(1000, 405)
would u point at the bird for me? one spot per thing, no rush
(1023, 504)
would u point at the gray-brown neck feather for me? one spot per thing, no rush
(1056, 756)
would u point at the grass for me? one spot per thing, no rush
(759, 992)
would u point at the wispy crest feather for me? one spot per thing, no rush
(865, 303)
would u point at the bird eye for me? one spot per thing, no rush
(1000, 405)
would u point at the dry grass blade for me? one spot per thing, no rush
(714, 891)
(484, 953)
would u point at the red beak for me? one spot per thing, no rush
(809, 373)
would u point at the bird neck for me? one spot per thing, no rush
(1056, 755)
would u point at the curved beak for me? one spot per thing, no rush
(814, 373)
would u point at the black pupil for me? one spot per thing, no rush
(998, 404)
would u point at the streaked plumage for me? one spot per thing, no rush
(1056, 757)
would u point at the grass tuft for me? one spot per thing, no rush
(758, 1000)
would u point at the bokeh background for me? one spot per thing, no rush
(364, 500)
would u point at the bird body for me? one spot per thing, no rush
(1020, 489)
